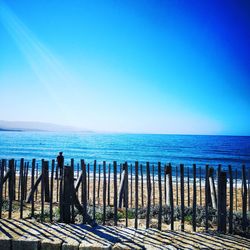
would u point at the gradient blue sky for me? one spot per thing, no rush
(127, 66)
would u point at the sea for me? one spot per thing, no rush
(153, 148)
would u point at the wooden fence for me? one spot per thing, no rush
(40, 187)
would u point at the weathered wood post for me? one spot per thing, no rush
(168, 184)
(182, 196)
(46, 181)
(188, 186)
(11, 185)
(244, 199)
(51, 189)
(131, 185)
(104, 194)
(99, 183)
(94, 177)
(165, 185)
(212, 187)
(84, 192)
(142, 191)
(32, 186)
(248, 190)
(21, 187)
(115, 193)
(88, 181)
(222, 201)
(153, 176)
(148, 195)
(126, 192)
(200, 187)
(160, 197)
(136, 194)
(109, 184)
(230, 217)
(236, 189)
(170, 195)
(121, 188)
(207, 196)
(67, 195)
(176, 182)
(1, 187)
(194, 199)
(42, 189)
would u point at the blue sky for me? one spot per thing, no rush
(127, 66)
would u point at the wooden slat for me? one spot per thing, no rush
(244, 199)
(148, 195)
(84, 192)
(94, 180)
(142, 189)
(182, 196)
(115, 193)
(194, 199)
(11, 186)
(21, 187)
(126, 193)
(1, 186)
(230, 217)
(104, 194)
(51, 189)
(136, 194)
(206, 197)
(32, 186)
(160, 197)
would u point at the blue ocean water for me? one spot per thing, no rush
(175, 149)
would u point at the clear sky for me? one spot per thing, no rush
(127, 66)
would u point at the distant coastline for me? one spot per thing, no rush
(10, 130)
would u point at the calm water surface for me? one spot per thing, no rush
(176, 149)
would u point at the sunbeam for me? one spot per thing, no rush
(48, 69)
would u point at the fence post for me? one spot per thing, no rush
(115, 193)
(194, 199)
(126, 192)
(108, 184)
(131, 185)
(236, 189)
(244, 199)
(160, 197)
(84, 192)
(94, 177)
(21, 187)
(176, 179)
(170, 194)
(142, 191)
(51, 188)
(11, 185)
(136, 194)
(1, 186)
(99, 183)
(182, 196)
(212, 188)
(207, 195)
(104, 194)
(222, 201)
(148, 195)
(67, 195)
(230, 218)
(165, 185)
(42, 190)
(153, 170)
(200, 187)
(188, 187)
(88, 182)
(32, 186)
